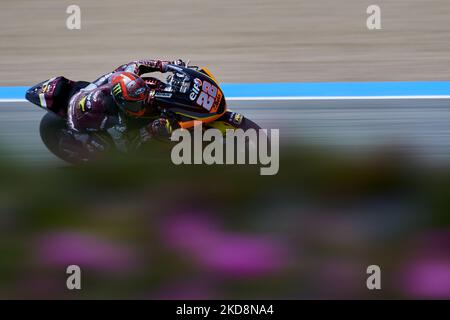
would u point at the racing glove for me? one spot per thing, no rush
(160, 129)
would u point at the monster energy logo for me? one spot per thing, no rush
(117, 89)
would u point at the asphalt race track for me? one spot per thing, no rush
(421, 127)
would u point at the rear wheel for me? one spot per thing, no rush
(52, 129)
(58, 139)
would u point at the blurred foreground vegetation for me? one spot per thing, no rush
(143, 228)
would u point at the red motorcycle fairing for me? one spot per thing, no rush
(54, 94)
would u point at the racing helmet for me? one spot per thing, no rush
(129, 92)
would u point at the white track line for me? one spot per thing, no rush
(13, 100)
(340, 98)
(421, 97)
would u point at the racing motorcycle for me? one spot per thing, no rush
(188, 89)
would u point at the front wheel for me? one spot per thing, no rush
(233, 120)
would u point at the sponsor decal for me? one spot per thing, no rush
(117, 89)
(236, 118)
(195, 89)
(210, 97)
(185, 86)
(48, 88)
(167, 95)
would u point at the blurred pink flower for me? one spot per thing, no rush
(427, 273)
(84, 250)
(429, 278)
(243, 256)
(216, 250)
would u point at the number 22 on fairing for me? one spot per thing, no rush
(207, 96)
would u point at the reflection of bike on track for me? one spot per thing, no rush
(122, 110)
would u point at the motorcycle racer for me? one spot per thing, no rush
(108, 101)
(125, 108)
